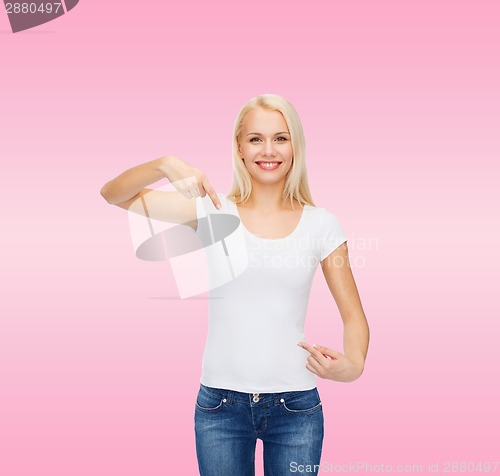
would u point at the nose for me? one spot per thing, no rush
(269, 149)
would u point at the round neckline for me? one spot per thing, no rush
(271, 239)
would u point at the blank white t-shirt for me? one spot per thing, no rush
(257, 318)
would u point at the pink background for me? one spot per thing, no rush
(99, 359)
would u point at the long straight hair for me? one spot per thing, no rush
(296, 183)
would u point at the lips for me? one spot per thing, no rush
(268, 165)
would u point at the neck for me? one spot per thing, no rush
(266, 197)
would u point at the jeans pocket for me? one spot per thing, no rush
(209, 400)
(305, 402)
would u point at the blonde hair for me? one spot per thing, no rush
(296, 184)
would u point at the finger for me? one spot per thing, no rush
(196, 187)
(185, 186)
(194, 192)
(312, 369)
(322, 350)
(306, 346)
(314, 351)
(211, 193)
(185, 193)
(315, 364)
(332, 353)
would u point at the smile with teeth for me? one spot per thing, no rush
(268, 165)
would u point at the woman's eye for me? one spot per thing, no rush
(252, 139)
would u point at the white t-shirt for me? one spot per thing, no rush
(257, 318)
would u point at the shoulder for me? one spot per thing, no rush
(323, 212)
(324, 220)
(320, 214)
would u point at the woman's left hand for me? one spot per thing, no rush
(330, 364)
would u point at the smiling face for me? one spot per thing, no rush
(266, 147)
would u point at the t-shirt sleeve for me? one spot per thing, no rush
(332, 234)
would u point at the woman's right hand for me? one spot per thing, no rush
(190, 181)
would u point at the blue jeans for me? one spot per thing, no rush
(227, 424)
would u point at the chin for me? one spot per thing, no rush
(269, 180)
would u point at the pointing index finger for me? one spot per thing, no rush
(212, 193)
(313, 350)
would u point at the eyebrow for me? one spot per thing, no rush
(259, 134)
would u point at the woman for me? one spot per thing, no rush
(258, 375)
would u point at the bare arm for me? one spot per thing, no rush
(329, 363)
(128, 190)
(340, 280)
(129, 183)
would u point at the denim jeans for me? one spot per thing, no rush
(227, 424)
